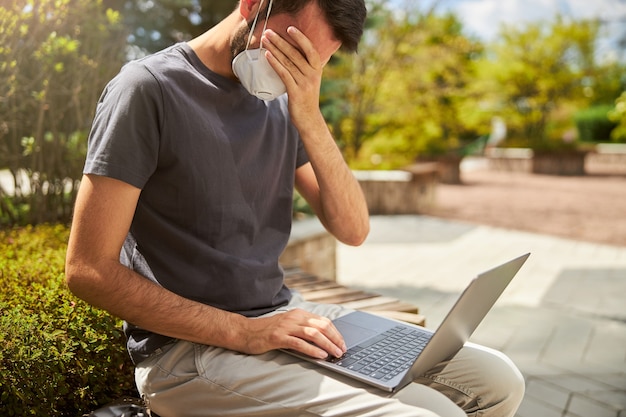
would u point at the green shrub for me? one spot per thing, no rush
(593, 124)
(59, 356)
(618, 115)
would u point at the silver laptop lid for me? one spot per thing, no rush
(465, 316)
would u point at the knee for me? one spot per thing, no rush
(506, 388)
(512, 382)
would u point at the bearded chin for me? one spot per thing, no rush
(240, 40)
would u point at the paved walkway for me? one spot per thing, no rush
(562, 319)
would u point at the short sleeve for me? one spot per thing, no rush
(124, 138)
(302, 157)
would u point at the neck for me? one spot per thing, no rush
(213, 46)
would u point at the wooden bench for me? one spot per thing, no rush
(320, 290)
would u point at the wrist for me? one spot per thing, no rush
(311, 125)
(240, 333)
(235, 331)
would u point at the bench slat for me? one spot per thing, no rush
(314, 288)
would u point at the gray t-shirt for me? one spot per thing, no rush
(216, 168)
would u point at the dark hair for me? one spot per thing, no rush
(345, 17)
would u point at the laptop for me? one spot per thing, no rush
(389, 354)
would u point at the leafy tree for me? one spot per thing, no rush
(435, 74)
(349, 88)
(540, 74)
(407, 89)
(156, 24)
(618, 115)
(56, 57)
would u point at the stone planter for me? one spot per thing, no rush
(409, 191)
(509, 159)
(607, 158)
(559, 163)
(448, 167)
(311, 248)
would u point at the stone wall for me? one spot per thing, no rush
(312, 249)
(510, 159)
(607, 158)
(410, 191)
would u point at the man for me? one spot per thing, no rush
(185, 206)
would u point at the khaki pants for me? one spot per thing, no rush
(187, 379)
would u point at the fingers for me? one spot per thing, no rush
(298, 60)
(298, 330)
(306, 47)
(299, 66)
(312, 335)
(322, 333)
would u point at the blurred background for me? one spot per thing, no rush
(506, 113)
(433, 80)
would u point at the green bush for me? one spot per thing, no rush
(59, 356)
(618, 115)
(594, 125)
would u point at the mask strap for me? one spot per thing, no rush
(267, 16)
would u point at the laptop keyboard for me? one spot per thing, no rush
(385, 356)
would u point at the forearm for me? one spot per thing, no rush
(341, 206)
(117, 289)
(102, 217)
(334, 194)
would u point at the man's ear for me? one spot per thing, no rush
(248, 8)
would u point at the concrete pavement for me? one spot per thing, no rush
(562, 319)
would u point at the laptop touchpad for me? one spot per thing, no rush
(353, 334)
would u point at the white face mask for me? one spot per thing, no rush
(254, 72)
